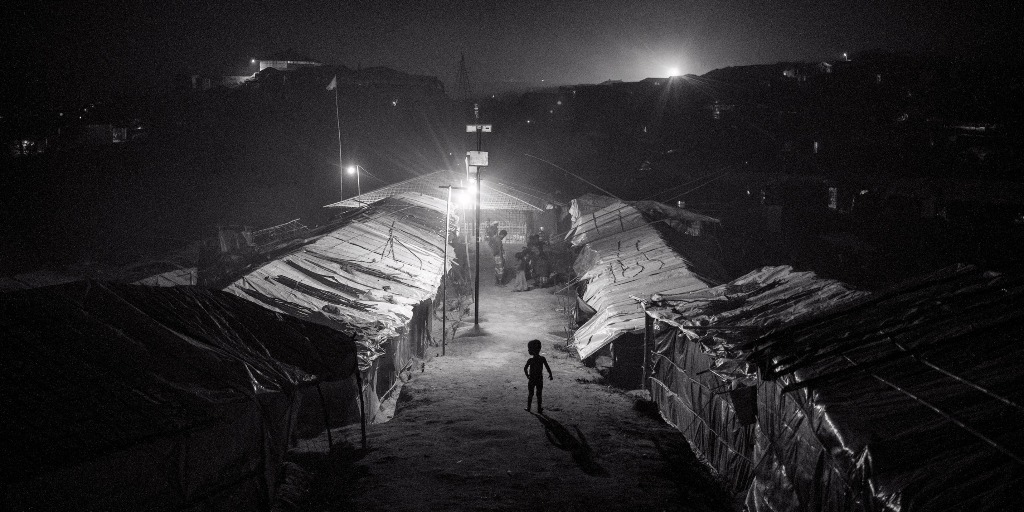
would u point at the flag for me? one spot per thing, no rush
(334, 83)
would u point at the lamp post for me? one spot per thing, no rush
(354, 169)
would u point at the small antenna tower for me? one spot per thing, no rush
(462, 87)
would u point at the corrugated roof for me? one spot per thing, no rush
(496, 195)
(626, 257)
(365, 275)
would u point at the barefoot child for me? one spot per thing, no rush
(534, 371)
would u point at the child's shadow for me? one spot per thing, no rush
(576, 445)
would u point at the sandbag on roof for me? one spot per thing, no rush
(910, 399)
(627, 256)
(122, 397)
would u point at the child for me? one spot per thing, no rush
(534, 371)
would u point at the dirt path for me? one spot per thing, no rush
(461, 439)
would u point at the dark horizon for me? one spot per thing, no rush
(71, 53)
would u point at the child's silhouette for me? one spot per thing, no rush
(534, 371)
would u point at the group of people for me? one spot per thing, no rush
(532, 265)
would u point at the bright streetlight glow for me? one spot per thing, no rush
(673, 72)
(351, 169)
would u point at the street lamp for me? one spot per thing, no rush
(354, 169)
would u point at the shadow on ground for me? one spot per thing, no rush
(576, 445)
(310, 481)
(693, 481)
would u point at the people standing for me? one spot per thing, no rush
(534, 370)
(522, 262)
(541, 267)
(543, 237)
(498, 251)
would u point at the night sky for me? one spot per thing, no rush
(76, 50)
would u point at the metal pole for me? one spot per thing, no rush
(476, 219)
(444, 273)
(476, 287)
(341, 167)
(359, 188)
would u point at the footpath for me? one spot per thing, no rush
(461, 439)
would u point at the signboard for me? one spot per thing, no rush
(486, 128)
(477, 158)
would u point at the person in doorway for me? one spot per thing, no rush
(534, 371)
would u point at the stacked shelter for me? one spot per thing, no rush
(807, 395)
(373, 274)
(628, 251)
(123, 397)
(517, 211)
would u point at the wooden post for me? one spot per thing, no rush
(362, 406)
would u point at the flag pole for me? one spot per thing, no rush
(337, 117)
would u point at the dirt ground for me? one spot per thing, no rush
(461, 439)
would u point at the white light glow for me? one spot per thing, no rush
(674, 71)
(351, 169)
(467, 197)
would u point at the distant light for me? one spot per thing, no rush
(559, 102)
(551, 111)
(394, 103)
(673, 72)
(528, 121)
(252, 61)
(351, 169)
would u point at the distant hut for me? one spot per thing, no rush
(517, 211)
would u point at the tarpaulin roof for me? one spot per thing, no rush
(366, 275)
(911, 399)
(91, 370)
(727, 316)
(628, 256)
(496, 195)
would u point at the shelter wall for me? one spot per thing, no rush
(694, 401)
(223, 466)
(782, 462)
(400, 352)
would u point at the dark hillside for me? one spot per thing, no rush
(258, 155)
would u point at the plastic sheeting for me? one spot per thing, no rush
(366, 276)
(628, 256)
(905, 400)
(122, 397)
